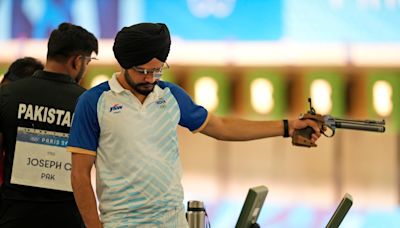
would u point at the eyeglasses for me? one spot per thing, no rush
(157, 73)
(89, 58)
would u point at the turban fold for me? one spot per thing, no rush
(138, 44)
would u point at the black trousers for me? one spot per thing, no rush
(18, 214)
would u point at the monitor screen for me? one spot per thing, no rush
(340, 211)
(252, 207)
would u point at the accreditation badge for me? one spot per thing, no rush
(41, 159)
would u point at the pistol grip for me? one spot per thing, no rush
(302, 137)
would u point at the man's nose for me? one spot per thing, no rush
(149, 78)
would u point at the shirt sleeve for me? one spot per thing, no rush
(85, 129)
(193, 116)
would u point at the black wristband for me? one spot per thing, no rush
(285, 128)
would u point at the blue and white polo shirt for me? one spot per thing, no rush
(138, 168)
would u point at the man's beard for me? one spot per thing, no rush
(139, 87)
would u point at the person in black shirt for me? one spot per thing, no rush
(19, 69)
(35, 118)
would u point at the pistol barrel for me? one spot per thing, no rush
(367, 125)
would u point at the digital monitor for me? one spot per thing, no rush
(340, 211)
(252, 207)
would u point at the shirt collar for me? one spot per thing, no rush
(114, 84)
(53, 76)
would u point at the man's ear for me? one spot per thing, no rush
(71, 63)
(75, 62)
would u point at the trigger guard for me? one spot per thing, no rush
(329, 136)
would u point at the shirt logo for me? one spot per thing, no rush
(115, 108)
(161, 103)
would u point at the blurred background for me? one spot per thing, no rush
(261, 60)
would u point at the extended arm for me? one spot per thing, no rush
(83, 190)
(231, 129)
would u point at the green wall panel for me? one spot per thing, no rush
(393, 78)
(278, 95)
(224, 88)
(338, 95)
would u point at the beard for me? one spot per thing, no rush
(144, 88)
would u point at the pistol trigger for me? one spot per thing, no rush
(332, 129)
